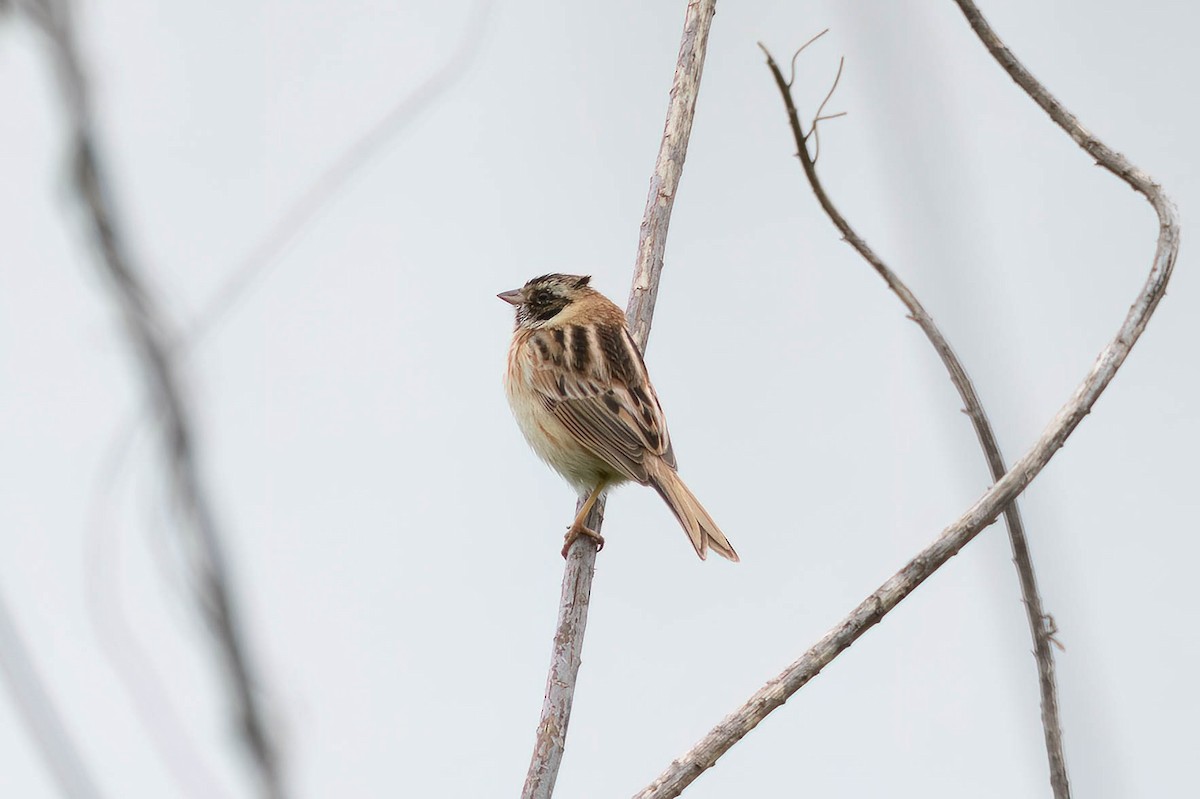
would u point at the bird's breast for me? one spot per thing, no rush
(547, 436)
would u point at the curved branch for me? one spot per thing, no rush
(1043, 653)
(683, 771)
(652, 241)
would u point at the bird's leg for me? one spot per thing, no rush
(578, 528)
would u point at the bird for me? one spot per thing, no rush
(580, 393)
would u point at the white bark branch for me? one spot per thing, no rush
(683, 771)
(664, 183)
(581, 560)
(1043, 651)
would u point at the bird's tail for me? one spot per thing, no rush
(699, 526)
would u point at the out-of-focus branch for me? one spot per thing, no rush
(262, 256)
(150, 336)
(134, 670)
(1043, 652)
(683, 771)
(149, 694)
(35, 707)
(652, 241)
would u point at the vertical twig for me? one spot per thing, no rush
(150, 336)
(683, 771)
(652, 241)
(1044, 656)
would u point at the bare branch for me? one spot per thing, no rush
(564, 663)
(652, 240)
(1168, 246)
(150, 336)
(683, 771)
(1042, 636)
(36, 708)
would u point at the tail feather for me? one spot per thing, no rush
(699, 526)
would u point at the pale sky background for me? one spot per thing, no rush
(395, 543)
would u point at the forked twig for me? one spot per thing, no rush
(815, 127)
(683, 771)
(820, 116)
(581, 559)
(150, 337)
(973, 407)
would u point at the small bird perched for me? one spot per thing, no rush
(579, 391)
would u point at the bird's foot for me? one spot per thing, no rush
(578, 530)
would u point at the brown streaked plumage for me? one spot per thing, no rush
(579, 390)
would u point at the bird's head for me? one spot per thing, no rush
(544, 298)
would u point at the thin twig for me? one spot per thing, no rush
(815, 127)
(683, 771)
(652, 240)
(983, 431)
(799, 50)
(36, 708)
(150, 336)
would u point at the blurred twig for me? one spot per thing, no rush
(255, 265)
(151, 338)
(581, 560)
(1044, 656)
(149, 694)
(35, 707)
(683, 771)
(142, 683)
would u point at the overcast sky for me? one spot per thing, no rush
(396, 545)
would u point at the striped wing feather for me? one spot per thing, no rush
(593, 379)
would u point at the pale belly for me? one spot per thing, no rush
(552, 441)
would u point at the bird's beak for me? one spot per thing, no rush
(513, 297)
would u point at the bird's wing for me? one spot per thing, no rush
(592, 378)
